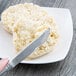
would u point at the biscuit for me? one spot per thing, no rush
(21, 11)
(25, 31)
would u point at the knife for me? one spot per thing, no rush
(27, 51)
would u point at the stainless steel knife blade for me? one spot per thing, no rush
(27, 50)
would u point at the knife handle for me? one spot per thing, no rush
(7, 68)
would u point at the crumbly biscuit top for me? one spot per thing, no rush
(21, 11)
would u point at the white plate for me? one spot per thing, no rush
(63, 21)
